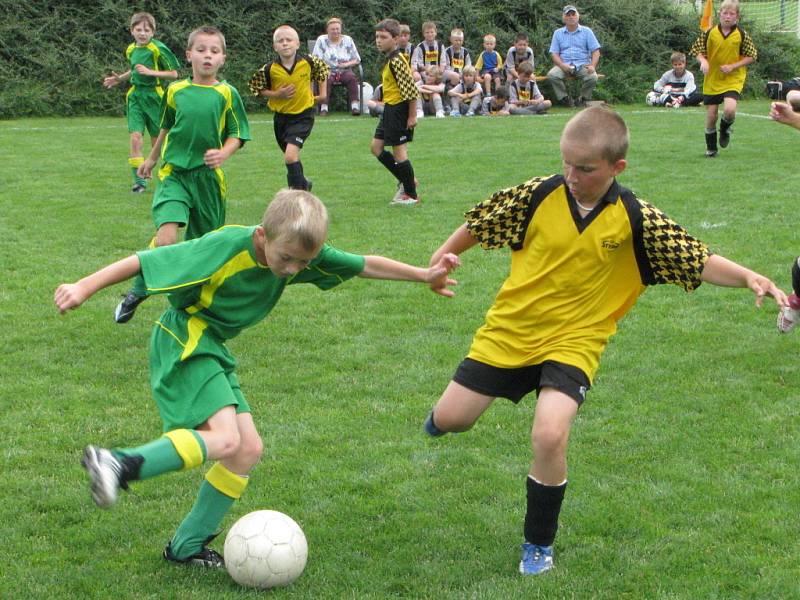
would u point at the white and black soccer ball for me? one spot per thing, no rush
(652, 99)
(265, 549)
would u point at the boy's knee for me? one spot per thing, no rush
(451, 422)
(230, 444)
(251, 449)
(548, 439)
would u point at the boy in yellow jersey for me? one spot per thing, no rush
(723, 52)
(396, 125)
(583, 248)
(150, 62)
(287, 82)
(218, 285)
(203, 122)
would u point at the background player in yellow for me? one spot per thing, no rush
(150, 62)
(287, 83)
(203, 122)
(583, 248)
(723, 52)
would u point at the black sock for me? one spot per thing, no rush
(405, 173)
(724, 125)
(294, 176)
(796, 278)
(387, 160)
(541, 518)
(711, 139)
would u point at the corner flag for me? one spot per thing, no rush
(707, 20)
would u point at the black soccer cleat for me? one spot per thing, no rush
(127, 307)
(206, 558)
(796, 276)
(725, 137)
(138, 188)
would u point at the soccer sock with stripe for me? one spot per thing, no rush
(541, 518)
(176, 450)
(135, 162)
(405, 173)
(711, 139)
(294, 176)
(725, 125)
(216, 496)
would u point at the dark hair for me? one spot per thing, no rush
(390, 26)
(521, 37)
(501, 92)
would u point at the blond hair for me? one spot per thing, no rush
(428, 25)
(488, 37)
(333, 20)
(404, 28)
(602, 128)
(457, 33)
(143, 17)
(470, 70)
(297, 216)
(206, 30)
(731, 4)
(677, 56)
(434, 71)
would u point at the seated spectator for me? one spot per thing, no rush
(429, 52)
(676, 87)
(519, 53)
(339, 52)
(375, 103)
(431, 90)
(456, 57)
(404, 44)
(524, 95)
(465, 98)
(489, 64)
(575, 52)
(497, 105)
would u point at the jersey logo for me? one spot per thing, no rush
(610, 244)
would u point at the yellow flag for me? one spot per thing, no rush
(707, 20)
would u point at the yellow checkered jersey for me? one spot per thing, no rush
(274, 76)
(573, 278)
(720, 49)
(398, 83)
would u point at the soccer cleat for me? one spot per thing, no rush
(725, 137)
(535, 559)
(420, 114)
(711, 153)
(404, 199)
(440, 114)
(455, 113)
(208, 558)
(430, 428)
(470, 113)
(138, 188)
(106, 475)
(787, 319)
(127, 307)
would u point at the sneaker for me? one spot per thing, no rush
(420, 114)
(440, 114)
(566, 102)
(535, 559)
(323, 112)
(787, 319)
(711, 153)
(355, 110)
(138, 188)
(725, 137)
(105, 472)
(470, 113)
(455, 113)
(208, 558)
(127, 307)
(431, 429)
(404, 199)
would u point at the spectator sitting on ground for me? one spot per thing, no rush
(676, 87)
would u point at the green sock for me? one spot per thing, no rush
(159, 456)
(136, 179)
(202, 521)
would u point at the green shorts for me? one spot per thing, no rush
(188, 390)
(194, 198)
(143, 109)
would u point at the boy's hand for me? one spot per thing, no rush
(761, 286)
(412, 119)
(112, 80)
(145, 169)
(214, 157)
(437, 277)
(285, 91)
(726, 68)
(782, 112)
(143, 70)
(69, 296)
(704, 67)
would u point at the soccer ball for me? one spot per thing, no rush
(652, 99)
(265, 549)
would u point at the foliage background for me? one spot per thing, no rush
(54, 53)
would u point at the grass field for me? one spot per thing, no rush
(683, 461)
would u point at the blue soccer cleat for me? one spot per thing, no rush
(535, 559)
(429, 427)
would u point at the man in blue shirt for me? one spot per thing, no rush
(575, 52)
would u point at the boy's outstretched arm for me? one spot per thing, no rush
(72, 295)
(380, 267)
(721, 271)
(459, 241)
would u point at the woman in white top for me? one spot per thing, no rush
(340, 54)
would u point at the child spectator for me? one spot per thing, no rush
(489, 64)
(150, 62)
(583, 248)
(404, 45)
(676, 87)
(431, 91)
(465, 98)
(456, 58)
(724, 52)
(524, 95)
(396, 125)
(429, 52)
(519, 53)
(203, 122)
(287, 83)
(375, 103)
(219, 285)
(497, 105)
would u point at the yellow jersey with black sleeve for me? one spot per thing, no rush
(720, 49)
(156, 56)
(274, 76)
(397, 80)
(573, 278)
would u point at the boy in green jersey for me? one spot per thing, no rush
(203, 122)
(218, 285)
(150, 62)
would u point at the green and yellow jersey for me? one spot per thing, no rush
(720, 49)
(274, 76)
(200, 117)
(397, 80)
(573, 278)
(156, 56)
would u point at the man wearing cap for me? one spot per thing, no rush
(575, 52)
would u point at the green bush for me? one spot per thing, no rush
(54, 56)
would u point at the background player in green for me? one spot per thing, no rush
(218, 285)
(203, 122)
(583, 248)
(150, 61)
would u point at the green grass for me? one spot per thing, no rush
(683, 461)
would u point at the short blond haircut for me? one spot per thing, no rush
(434, 71)
(333, 20)
(470, 70)
(429, 25)
(732, 4)
(603, 129)
(457, 33)
(143, 17)
(296, 216)
(206, 30)
(489, 37)
(405, 28)
(285, 27)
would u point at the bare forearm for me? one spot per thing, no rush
(460, 241)
(380, 267)
(71, 295)
(724, 272)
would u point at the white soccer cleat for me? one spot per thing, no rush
(105, 473)
(787, 319)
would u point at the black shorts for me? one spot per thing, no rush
(514, 384)
(293, 129)
(719, 98)
(393, 125)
